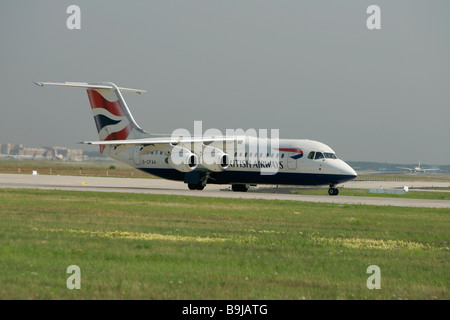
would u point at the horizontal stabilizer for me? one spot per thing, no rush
(85, 85)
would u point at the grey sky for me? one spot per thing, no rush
(309, 68)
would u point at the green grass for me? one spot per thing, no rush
(435, 195)
(404, 177)
(134, 246)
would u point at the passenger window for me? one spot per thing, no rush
(311, 155)
(319, 155)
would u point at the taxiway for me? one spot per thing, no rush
(159, 186)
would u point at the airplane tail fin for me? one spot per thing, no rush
(112, 117)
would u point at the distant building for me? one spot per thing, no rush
(10, 149)
(49, 153)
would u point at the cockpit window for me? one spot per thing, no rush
(321, 155)
(329, 155)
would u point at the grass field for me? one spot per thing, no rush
(133, 246)
(435, 195)
(404, 177)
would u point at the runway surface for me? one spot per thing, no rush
(159, 186)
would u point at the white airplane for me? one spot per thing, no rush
(418, 169)
(201, 160)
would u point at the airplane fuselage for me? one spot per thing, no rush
(293, 162)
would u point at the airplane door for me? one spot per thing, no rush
(292, 163)
(136, 156)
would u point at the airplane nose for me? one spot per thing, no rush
(350, 172)
(347, 171)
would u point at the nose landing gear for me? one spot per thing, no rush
(333, 191)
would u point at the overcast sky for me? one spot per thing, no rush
(311, 69)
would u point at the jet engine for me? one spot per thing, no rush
(182, 159)
(215, 159)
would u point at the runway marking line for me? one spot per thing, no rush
(84, 184)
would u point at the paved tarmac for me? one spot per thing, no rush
(160, 186)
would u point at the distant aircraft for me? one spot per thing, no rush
(207, 159)
(418, 169)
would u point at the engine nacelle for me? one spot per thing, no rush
(182, 159)
(215, 159)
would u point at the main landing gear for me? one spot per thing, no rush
(196, 186)
(333, 191)
(199, 183)
(239, 187)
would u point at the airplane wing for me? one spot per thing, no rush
(164, 144)
(410, 169)
(435, 169)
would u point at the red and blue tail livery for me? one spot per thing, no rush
(111, 114)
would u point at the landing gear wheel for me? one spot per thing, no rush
(195, 186)
(192, 186)
(333, 191)
(239, 187)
